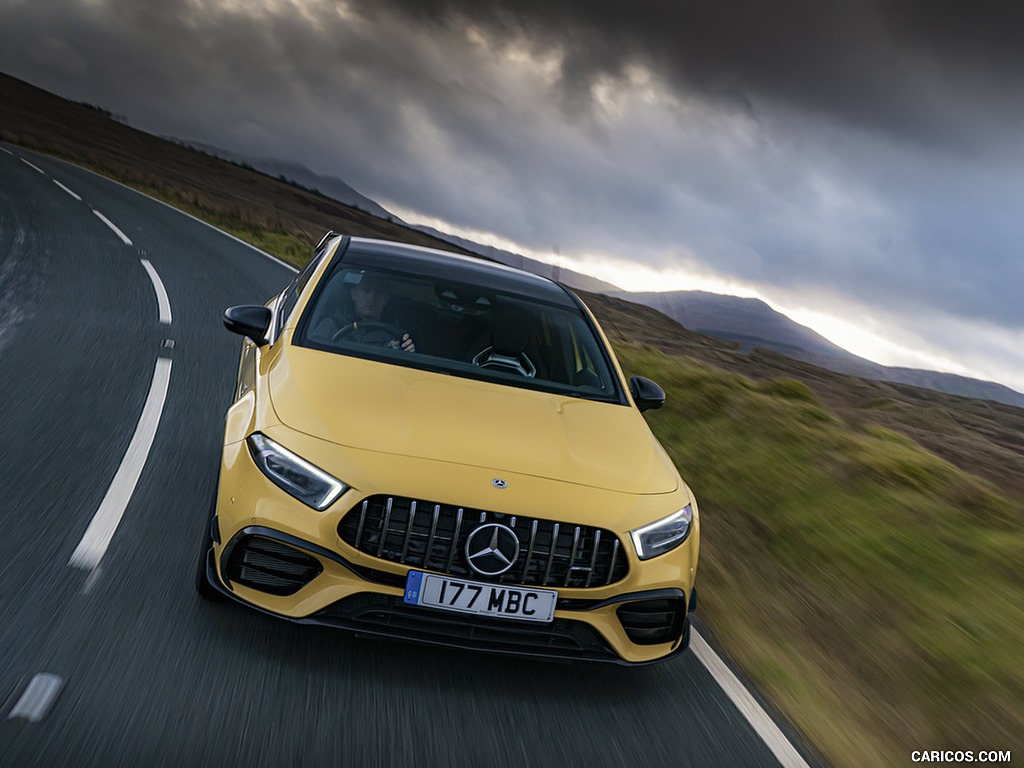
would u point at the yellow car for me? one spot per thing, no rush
(438, 448)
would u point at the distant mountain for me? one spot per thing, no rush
(331, 186)
(752, 324)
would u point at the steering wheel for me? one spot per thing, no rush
(368, 325)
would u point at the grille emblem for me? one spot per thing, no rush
(492, 549)
(499, 483)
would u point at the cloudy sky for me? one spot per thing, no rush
(859, 165)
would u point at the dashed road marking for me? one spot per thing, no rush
(38, 697)
(66, 190)
(34, 168)
(109, 223)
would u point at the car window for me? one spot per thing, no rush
(459, 328)
(290, 295)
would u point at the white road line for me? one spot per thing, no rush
(94, 543)
(109, 223)
(162, 301)
(2, 149)
(34, 168)
(38, 697)
(762, 724)
(238, 240)
(66, 190)
(91, 579)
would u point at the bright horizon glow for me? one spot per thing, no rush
(854, 337)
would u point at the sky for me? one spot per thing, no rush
(858, 165)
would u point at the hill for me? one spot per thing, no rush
(755, 325)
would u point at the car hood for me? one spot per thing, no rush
(391, 409)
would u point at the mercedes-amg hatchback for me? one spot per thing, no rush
(438, 448)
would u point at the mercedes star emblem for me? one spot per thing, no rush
(499, 483)
(492, 549)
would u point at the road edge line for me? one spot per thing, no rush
(759, 720)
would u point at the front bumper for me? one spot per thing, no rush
(571, 636)
(272, 553)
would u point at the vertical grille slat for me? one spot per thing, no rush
(430, 540)
(408, 531)
(362, 522)
(550, 553)
(529, 550)
(384, 527)
(615, 554)
(455, 540)
(572, 556)
(593, 557)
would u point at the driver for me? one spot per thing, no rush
(370, 298)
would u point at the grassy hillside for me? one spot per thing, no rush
(871, 588)
(863, 541)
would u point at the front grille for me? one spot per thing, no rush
(431, 536)
(385, 615)
(270, 566)
(650, 622)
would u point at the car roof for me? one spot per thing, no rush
(477, 270)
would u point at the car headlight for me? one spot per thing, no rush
(663, 535)
(307, 483)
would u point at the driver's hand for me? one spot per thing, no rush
(407, 344)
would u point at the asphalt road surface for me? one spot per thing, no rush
(120, 663)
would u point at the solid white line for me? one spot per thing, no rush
(35, 702)
(94, 543)
(34, 168)
(66, 190)
(109, 223)
(762, 724)
(162, 301)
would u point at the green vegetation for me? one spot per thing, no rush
(872, 589)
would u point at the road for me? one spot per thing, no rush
(140, 670)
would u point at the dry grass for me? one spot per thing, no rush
(869, 587)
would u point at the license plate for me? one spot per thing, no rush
(474, 597)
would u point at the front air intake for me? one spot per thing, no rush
(651, 622)
(270, 566)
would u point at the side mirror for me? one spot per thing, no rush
(249, 320)
(647, 395)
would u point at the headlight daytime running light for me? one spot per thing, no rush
(293, 474)
(663, 535)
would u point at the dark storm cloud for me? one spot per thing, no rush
(867, 150)
(924, 70)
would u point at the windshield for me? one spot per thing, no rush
(458, 328)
